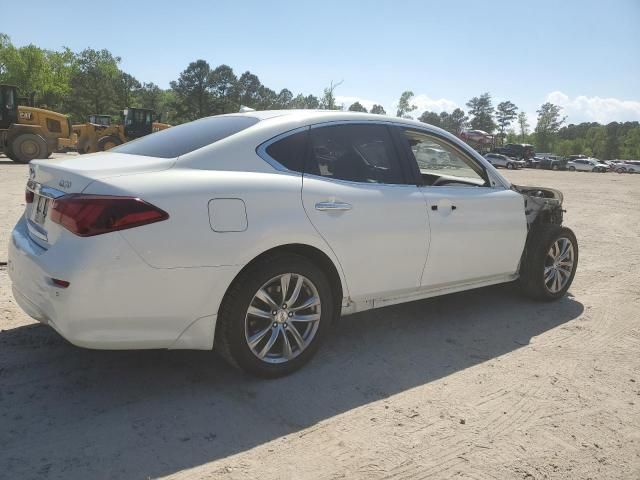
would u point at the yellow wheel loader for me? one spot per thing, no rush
(28, 132)
(99, 134)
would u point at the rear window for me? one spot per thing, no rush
(185, 138)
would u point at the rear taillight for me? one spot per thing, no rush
(88, 215)
(28, 196)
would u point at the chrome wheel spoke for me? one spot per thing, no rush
(272, 339)
(255, 340)
(296, 336)
(256, 312)
(266, 298)
(306, 318)
(310, 302)
(548, 273)
(286, 347)
(296, 291)
(284, 286)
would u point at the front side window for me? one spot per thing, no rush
(53, 126)
(441, 163)
(354, 152)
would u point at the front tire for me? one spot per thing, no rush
(549, 263)
(572, 168)
(510, 166)
(274, 316)
(108, 142)
(27, 147)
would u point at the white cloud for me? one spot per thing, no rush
(424, 102)
(595, 109)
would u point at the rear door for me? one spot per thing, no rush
(477, 231)
(355, 193)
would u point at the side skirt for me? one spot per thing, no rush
(351, 306)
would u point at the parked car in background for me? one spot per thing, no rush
(521, 151)
(533, 162)
(477, 136)
(232, 233)
(587, 165)
(625, 166)
(499, 160)
(553, 162)
(632, 166)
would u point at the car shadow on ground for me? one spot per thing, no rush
(69, 413)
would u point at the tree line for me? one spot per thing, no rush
(91, 81)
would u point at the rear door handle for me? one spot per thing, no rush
(333, 206)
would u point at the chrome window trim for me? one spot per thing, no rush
(261, 150)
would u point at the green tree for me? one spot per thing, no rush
(357, 107)
(328, 101)
(549, 122)
(454, 122)
(505, 114)
(378, 110)
(222, 81)
(404, 105)
(432, 118)
(481, 111)
(193, 91)
(94, 79)
(284, 98)
(523, 125)
(128, 89)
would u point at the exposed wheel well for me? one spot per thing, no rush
(315, 255)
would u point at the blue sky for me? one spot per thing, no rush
(583, 55)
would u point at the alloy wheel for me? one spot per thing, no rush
(558, 265)
(283, 318)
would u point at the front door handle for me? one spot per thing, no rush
(333, 206)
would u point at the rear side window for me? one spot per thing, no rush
(290, 151)
(185, 138)
(357, 153)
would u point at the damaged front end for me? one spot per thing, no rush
(542, 206)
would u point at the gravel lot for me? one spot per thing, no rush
(482, 384)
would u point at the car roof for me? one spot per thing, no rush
(310, 116)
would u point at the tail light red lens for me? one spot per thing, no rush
(28, 196)
(88, 215)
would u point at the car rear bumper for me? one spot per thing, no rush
(115, 300)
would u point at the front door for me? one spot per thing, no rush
(356, 195)
(478, 231)
(8, 106)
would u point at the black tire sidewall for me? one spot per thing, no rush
(234, 308)
(532, 276)
(107, 139)
(16, 149)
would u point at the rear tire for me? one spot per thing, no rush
(510, 166)
(27, 147)
(555, 167)
(107, 143)
(549, 263)
(244, 316)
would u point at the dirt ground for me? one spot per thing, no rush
(482, 384)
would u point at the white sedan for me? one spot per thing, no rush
(250, 233)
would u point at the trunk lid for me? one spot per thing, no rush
(74, 174)
(49, 179)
